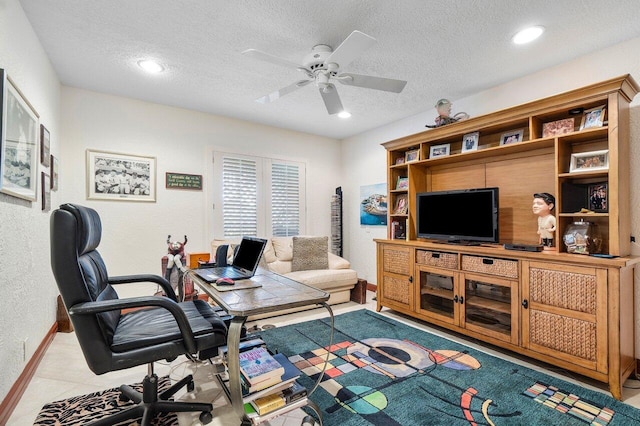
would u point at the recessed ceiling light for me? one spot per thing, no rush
(528, 35)
(150, 66)
(344, 114)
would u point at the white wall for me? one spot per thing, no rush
(364, 159)
(134, 233)
(28, 301)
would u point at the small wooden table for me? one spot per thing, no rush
(276, 293)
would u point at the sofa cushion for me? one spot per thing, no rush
(283, 246)
(326, 279)
(310, 253)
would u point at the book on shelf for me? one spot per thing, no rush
(291, 373)
(256, 419)
(273, 401)
(244, 346)
(257, 365)
(268, 403)
(399, 229)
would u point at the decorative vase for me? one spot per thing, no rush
(582, 238)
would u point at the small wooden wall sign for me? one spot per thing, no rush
(183, 181)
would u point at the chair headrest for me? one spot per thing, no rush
(89, 227)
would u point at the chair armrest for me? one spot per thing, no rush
(337, 262)
(92, 308)
(150, 278)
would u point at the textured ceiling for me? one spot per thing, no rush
(446, 49)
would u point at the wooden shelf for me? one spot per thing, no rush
(493, 305)
(438, 292)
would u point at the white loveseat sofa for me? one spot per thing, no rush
(337, 279)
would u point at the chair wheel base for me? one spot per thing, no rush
(206, 417)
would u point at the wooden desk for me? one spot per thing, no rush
(277, 293)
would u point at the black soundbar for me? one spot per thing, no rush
(524, 247)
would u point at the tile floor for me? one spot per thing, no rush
(63, 373)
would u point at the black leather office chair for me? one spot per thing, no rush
(111, 340)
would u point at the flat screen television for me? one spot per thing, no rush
(468, 216)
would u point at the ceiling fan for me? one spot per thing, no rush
(324, 65)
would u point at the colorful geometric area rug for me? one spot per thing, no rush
(383, 372)
(83, 409)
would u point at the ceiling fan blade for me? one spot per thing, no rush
(267, 57)
(284, 91)
(351, 48)
(370, 82)
(331, 99)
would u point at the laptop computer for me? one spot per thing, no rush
(244, 265)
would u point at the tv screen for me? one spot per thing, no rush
(458, 216)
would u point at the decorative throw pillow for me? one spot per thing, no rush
(310, 253)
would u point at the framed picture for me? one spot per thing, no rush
(593, 117)
(439, 150)
(46, 192)
(403, 183)
(589, 161)
(19, 142)
(402, 205)
(55, 170)
(558, 127)
(399, 160)
(513, 136)
(120, 177)
(412, 155)
(373, 204)
(45, 146)
(470, 142)
(598, 200)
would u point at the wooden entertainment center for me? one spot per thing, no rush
(571, 310)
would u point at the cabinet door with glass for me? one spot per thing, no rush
(489, 306)
(438, 294)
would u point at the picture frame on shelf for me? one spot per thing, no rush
(593, 117)
(46, 192)
(402, 204)
(45, 146)
(399, 229)
(510, 137)
(19, 142)
(402, 183)
(120, 177)
(399, 160)
(470, 142)
(412, 155)
(589, 161)
(598, 200)
(442, 150)
(55, 171)
(558, 127)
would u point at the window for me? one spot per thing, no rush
(257, 196)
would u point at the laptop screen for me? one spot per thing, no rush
(249, 253)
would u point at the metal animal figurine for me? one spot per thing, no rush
(443, 106)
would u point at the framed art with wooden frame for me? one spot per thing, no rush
(401, 206)
(46, 192)
(45, 146)
(120, 177)
(19, 142)
(412, 155)
(593, 117)
(513, 136)
(589, 161)
(55, 171)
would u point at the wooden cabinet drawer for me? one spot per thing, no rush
(490, 265)
(437, 258)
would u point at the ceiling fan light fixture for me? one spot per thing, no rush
(344, 114)
(150, 66)
(528, 34)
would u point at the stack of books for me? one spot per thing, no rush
(269, 382)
